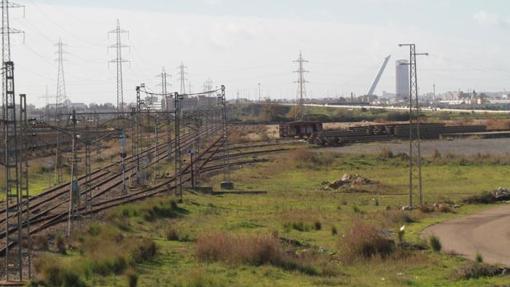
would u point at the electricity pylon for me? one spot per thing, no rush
(119, 60)
(301, 81)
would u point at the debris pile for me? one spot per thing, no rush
(501, 194)
(498, 195)
(349, 181)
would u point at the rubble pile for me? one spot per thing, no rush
(348, 180)
(501, 194)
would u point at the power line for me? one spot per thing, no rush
(119, 61)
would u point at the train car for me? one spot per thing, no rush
(299, 129)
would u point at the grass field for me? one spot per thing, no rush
(298, 210)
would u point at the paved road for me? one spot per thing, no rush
(487, 233)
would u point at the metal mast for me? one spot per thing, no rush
(414, 126)
(177, 146)
(182, 78)
(119, 60)
(301, 93)
(13, 158)
(226, 155)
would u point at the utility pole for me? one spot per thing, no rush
(74, 192)
(119, 60)
(177, 146)
(182, 78)
(226, 184)
(13, 157)
(301, 93)
(414, 126)
(26, 148)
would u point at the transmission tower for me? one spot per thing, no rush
(414, 126)
(164, 76)
(61, 96)
(301, 92)
(16, 178)
(182, 78)
(119, 60)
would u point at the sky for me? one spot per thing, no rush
(240, 43)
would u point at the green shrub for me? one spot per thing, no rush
(51, 273)
(299, 226)
(60, 244)
(435, 243)
(132, 278)
(483, 198)
(172, 234)
(145, 250)
(116, 265)
(479, 258)
(94, 229)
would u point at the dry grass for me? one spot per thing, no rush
(260, 250)
(238, 249)
(364, 241)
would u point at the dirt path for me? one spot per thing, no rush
(487, 233)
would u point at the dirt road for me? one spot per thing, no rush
(487, 233)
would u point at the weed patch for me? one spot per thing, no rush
(364, 241)
(254, 250)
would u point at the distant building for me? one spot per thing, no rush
(402, 80)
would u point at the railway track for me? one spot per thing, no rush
(55, 210)
(99, 176)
